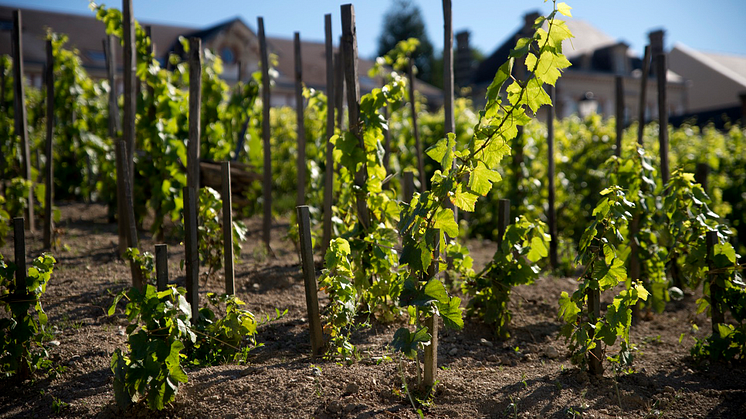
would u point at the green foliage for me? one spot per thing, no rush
(145, 263)
(402, 21)
(151, 368)
(514, 263)
(210, 226)
(22, 330)
(161, 338)
(222, 339)
(729, 343)
(603, 271)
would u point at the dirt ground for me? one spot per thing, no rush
(526, 376)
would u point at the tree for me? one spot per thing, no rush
(403, 20)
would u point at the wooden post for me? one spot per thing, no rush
(634, 260)
(301, 164)
(5, 128)
(716, 291)
(408, 186)
(329, 171)
(149, 87)
(643, 100)
(267, 170)
(195, 102)
(595, 357)
(349, 48)
(660, 69)
(114, 127)
(503, 219)
(130, 230)
(386, 142)
(415, 130)
(49, 178)
(309, 279)
(431, 351)
(191, 243)
(130, 86)
(339, 86)
(230, 283)
(19, 101)
(161, 266)
(619, 96)
(552, 208)
(19, 247)
(700, 175)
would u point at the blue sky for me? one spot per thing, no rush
(716, 26)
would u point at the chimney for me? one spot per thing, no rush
(528, 22)
(463, 62)
(656, 42)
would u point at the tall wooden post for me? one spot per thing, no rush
(339, 85)
(619, 96)
(230, 282)
(551, 210)
(19, 101)
(267, 170)
(114, 127)
(49, 178)
(349, 48)
(309, 280)
(4, 128)
(415, 129)
(643, 99)
(301, 198)
(191, 246)
(130, 86)
(138, 281)
(660, 69)
(195, 102)
(329, 171)
(161, 266)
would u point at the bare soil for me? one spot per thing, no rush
(526, 376)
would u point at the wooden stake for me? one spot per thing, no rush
(195, 102)
(660, 69)
(503, 219)
(191, 243)
(138, 281)
(551, 183)
(267, 178)
(19, 247)
(643, 100)
(114, 127)
(431, 351)
(329, 171)
(349, 48)
(595, 357)
(49, 191)
(19, 101)
(700, 175)
(5, 128)
(230, 278)
(716, 291)
(619, 96)
(339, 86)
(309, 279)
(130, 86)
(408, 186)
(415, 130)
(301, 164)
(161, 266)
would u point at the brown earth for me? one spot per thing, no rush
(526, 376)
